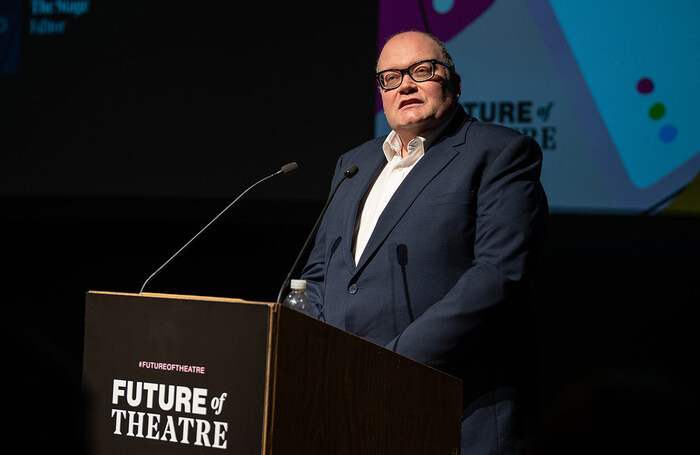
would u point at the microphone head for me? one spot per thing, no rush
(350, 171)
(290, 168)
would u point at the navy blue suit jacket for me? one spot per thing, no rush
(446, 278)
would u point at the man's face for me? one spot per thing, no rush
(415, 107)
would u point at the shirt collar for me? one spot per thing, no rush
(417, 146)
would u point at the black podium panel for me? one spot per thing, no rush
(172, 376)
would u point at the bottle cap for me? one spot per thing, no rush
(298, 284)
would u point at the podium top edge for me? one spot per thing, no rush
(183, 297)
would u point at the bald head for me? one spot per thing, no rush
(446, 57)
(414, 108)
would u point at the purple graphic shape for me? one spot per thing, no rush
(645, 86)
(398, 15)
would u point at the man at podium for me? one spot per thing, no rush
(430, 249)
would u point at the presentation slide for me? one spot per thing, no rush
(154, 100)
(608, 89)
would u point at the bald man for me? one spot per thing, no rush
(430, 249)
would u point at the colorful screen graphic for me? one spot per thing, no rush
(141, 99)
(609, 89)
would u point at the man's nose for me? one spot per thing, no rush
(408, 85)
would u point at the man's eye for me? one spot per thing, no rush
(391, 77)
(421, 71)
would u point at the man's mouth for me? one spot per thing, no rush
(409, 102)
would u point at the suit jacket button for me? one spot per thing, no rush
(353, 289)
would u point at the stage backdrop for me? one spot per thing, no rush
(134, 99)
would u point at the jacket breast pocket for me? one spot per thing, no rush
(463, 197)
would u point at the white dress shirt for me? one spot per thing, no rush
(385, 186)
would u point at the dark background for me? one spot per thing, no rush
(126, 135)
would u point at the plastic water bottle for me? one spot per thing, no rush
(297, 298)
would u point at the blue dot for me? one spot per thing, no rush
(443, 6)
(668, 133)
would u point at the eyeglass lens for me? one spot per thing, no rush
(419, 72)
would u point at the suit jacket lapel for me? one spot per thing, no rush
(368, 171)
(436, 158)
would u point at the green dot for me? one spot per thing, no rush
(657, 111)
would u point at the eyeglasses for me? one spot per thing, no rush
(420, 72)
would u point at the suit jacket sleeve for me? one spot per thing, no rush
(315, 268)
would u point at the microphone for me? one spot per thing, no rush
(349, 173)
(286, 169)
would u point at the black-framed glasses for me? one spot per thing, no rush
(420, 72)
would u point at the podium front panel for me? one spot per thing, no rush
(336, 393)
(175, 376)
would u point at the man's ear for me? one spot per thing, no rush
(456, 81)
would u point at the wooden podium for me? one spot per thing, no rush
(171, 374)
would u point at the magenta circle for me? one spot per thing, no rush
(645, 85)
